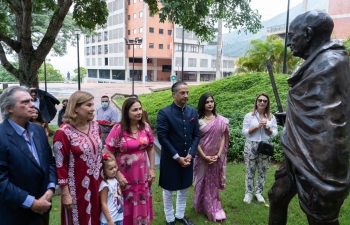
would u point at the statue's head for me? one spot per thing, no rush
(311, 28)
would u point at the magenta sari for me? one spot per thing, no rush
(209, 179)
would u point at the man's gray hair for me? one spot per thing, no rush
(7, 99)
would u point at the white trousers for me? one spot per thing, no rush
(180, 204)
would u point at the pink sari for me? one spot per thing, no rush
(209, 179)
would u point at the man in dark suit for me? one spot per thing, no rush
(27, 166)
(178, 134)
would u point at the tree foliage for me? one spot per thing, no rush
(5, 76)
(30, 29)
(347, 45)
(254, 60)
(83, 72)
(51, 73)
(201, 16)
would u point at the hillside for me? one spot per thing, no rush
(236, 44)
(234, 96)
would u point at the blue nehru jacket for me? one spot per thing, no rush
(178, 133)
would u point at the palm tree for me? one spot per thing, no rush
(254, 60)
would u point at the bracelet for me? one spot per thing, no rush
(218, 156)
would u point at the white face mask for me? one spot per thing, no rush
(104, 105)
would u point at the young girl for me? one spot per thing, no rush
(38, 119)
(110, 194)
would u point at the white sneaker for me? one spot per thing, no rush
(260, 198)
(248, 198)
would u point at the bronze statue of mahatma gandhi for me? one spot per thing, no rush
(316, 134)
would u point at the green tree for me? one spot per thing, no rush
(5, 76)
(201, 16)
(83, 72)
(51, 73)
(31, 29)
(347, 44)
(254, 60)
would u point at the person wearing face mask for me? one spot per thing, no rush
(107, 113)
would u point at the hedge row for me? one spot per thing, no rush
(234, 97)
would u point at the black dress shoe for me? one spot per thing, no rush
(170, 223)
(184, 221)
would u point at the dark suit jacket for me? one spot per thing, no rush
(21, 175)
(178, 133)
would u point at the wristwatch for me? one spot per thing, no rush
(267, 128)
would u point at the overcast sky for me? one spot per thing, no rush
(266, 8)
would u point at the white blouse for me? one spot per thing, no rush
(259, 135)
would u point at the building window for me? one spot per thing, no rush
(169, 32)
(128, 32)
(140, 30)
(135, 1)
(160, 46)
(99, 49)
(106, 36)
(134, 31)
(99, 37)
(151, 45)
(140, 14)
(179, 47)
(87, 50)
(128, 17)
(104, 74)
(93, 39)
(134, 15)
(106, 61)
(194, 48)
(151, 30)
(106, 49)
(92, 73)
(161, 31)
(93, 50)
(87, 39)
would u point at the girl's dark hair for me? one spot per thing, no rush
(125, 122)
(176, 85)
(201, 105)
(40, 117)
(104, 162)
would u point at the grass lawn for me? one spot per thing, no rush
(236, 210)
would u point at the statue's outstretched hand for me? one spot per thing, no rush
(280, 118)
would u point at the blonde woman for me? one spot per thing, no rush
(258, 125)
(78, 151)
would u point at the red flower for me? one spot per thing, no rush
(191, 119)
(105, 156)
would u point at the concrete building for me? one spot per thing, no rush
(156, 47)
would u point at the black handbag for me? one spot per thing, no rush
(265, 148)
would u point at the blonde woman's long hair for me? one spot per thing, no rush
(76, 99)
(267, 109)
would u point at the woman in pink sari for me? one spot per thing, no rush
(210, 162)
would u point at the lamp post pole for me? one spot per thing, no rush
(285, 43)
(45, 80)
(133, 42)
(45, 75)
(77, 32)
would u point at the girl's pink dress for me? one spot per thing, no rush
(132, 162)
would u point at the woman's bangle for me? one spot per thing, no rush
(218, 156)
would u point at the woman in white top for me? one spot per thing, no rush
(258, 125)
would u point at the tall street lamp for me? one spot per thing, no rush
(133, 42)
(45, 73)
(77, 32)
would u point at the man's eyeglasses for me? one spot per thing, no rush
(262, 100)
